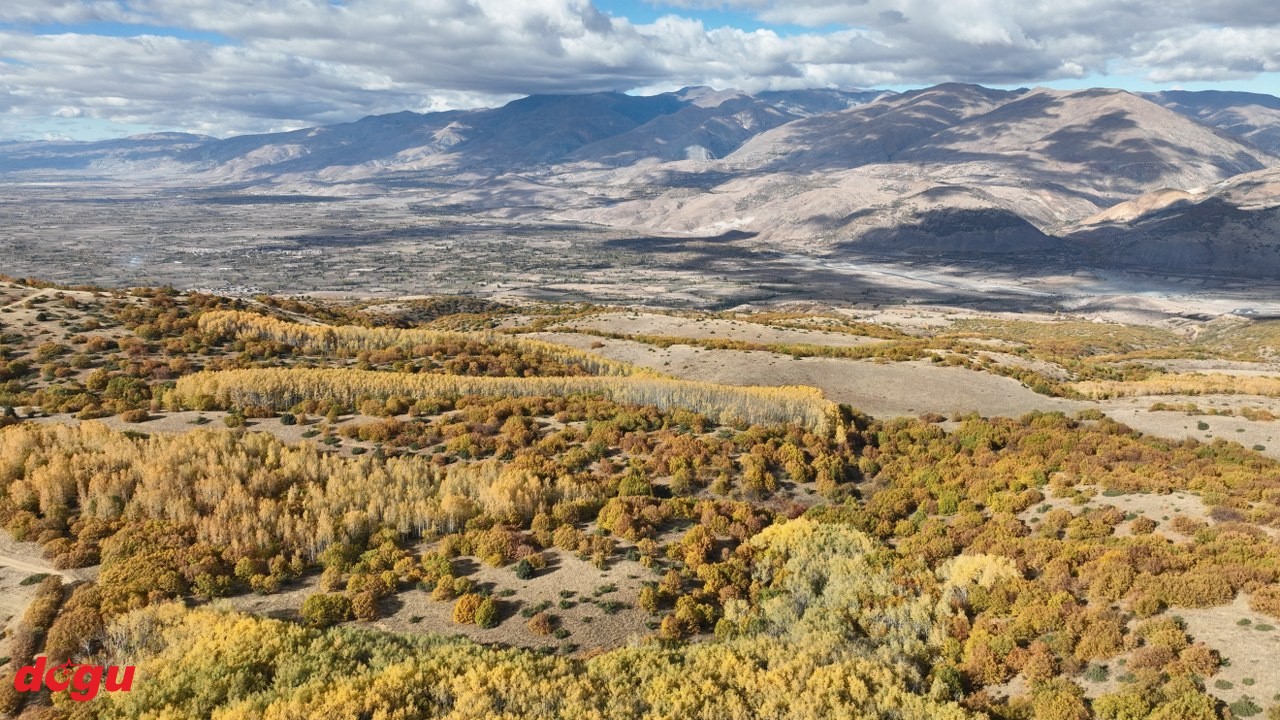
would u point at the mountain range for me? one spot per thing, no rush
(1174, 182)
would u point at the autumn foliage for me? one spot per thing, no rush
(283, 389)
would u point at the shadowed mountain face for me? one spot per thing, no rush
(874, 133)
(693, 132)
(314, 149)
(1170, 181)
(524, 133)
(974, 233)
(1213, 238)
(1231, 230)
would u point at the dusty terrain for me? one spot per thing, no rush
(641, 323)
(1250, 647)
(1159, 508)
(889, 389)
(396, 244)
(19, 561)
(879, 389)
(1261, 435)
(577, 583)
(573, 591)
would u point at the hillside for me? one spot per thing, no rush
(1231, 229)
(285, 507)
(1252, 116)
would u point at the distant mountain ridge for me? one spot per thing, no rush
(1252, 116)
(811, 130)
(523, 134)
(953, 170)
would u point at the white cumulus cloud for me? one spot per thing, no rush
(234, 66)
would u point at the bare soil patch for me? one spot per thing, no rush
(1136, 413)
(19, 561)
(586, 592)
(1220, 367)
(879, 389)
(580, 585)
(1251, 649)
(283, 605)
(639, 323)
(1160, 508)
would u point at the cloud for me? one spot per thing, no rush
(63, 11)
(1214, 54)
(292, 63)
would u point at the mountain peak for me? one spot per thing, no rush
(704, 96)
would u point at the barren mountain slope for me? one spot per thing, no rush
(370, 139)
(1231, 229)
(806, 209)
(867, 134)
(138, 152)
(1107, 143)
(804, 103)
(696, 132)
(952, 170)
(1252, 116)
(948, 171)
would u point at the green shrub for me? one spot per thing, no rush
(1096, 673)
(487, 613)
(325, 609)
(1245, 707)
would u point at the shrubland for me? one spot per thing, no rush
(281, 389)
(951, 590)
(827, 564)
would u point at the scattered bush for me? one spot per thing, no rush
(464, 610)
(541, 624)
(487, 613)
(325, 609)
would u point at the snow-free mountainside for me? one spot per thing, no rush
(948, 171)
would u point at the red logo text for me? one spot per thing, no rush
(84, 680)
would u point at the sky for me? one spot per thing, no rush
(91, 69)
